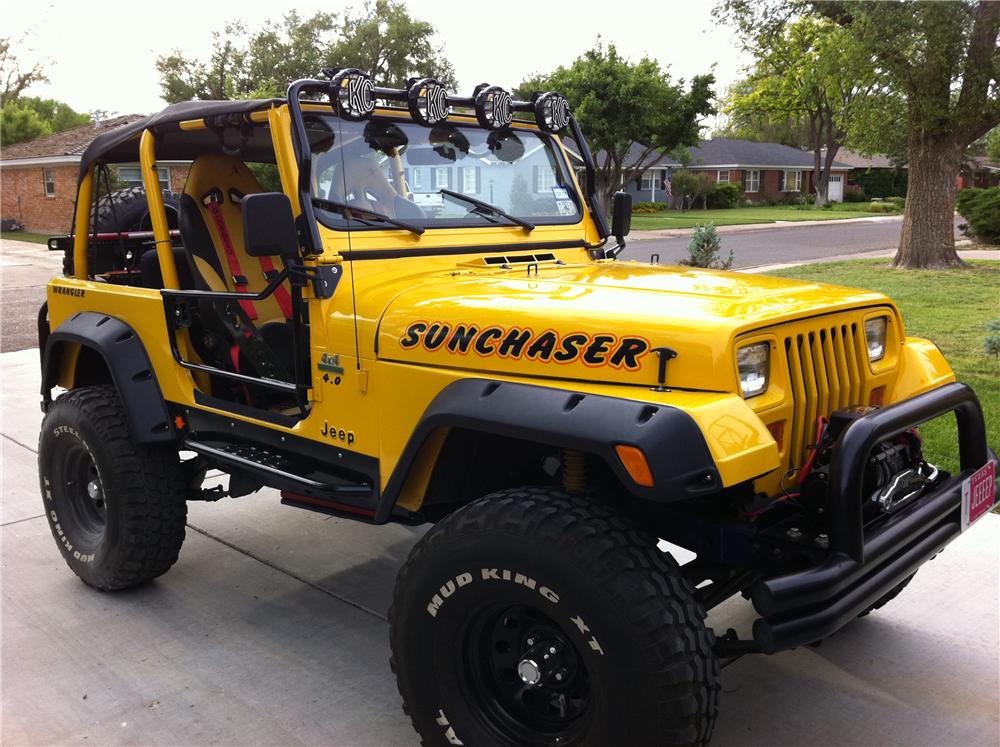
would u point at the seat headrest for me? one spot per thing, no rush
(220, 178)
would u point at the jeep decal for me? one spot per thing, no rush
(600, 349)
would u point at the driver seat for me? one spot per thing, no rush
(211, 226)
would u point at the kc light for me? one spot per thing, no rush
(753, 363)
(551, 112)
(494, 107)
(353, 94)
(427, 101)
(875, 338)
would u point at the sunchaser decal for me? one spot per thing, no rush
(522, 343)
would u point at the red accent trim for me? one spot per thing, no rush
(324, 503)
(281, 294)
(215, 210)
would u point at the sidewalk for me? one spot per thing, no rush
(963, 253)
(271, 630)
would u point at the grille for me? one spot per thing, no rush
(824, 370)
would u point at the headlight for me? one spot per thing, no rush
(754, 365)
(875, 338)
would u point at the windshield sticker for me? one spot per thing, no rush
(560, 193)
(522, 343)
(566, 207)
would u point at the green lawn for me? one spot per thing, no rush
(745, 215)
(951, 308)
(34, 238)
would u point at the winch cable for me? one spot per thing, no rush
(821, 422)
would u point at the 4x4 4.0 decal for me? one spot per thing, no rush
(522, 342)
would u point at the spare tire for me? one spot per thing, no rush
(123, 210)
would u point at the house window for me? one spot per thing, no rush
(442, 177)
(470, 180)
(50, 182)
(751, 181)
(545, 178)
(722, 176)
(131, 176)
(417, 180)
(651, 180)
(790, 181)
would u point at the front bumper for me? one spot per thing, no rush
(864, 565)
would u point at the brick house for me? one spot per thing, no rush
(978, 171)
(765, 171)
(38, 178)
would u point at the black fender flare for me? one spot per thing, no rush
(678, 456)
(131, 372)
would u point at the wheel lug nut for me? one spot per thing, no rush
(552, 649)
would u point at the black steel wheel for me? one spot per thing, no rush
(116, 508)
(532, 617)
(527, 676)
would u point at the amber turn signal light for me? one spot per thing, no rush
(634, 462)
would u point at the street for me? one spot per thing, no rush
(765, 245)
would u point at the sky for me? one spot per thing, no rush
(100, 54)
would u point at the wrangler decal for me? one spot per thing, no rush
(515, 343)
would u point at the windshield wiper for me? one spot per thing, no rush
(527, 226)
(341, 206)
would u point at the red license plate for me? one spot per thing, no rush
(978, 494)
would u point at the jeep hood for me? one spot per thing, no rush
(600, 321)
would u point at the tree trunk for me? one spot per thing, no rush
(928, 237)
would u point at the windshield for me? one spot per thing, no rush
(404, 171)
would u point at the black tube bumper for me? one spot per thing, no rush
(809, 605)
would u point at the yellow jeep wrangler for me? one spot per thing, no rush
(421, 319)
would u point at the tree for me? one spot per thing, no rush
(941, 63)
(19, 123)
(620, 104)
(382, 39)
(993, 145)
(685, 186)
(13, 79)
(810, 74)
(761, 126)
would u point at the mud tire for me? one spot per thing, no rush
(612, 596)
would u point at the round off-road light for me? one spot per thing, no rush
(494, 107)
(353, 94)
(427, 101)
(552, 112)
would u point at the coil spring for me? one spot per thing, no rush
(574, 473)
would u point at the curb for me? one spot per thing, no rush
(987, 254)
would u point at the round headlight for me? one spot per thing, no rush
(427, 101)
(352, 92)
(552, 112)
(494, 107)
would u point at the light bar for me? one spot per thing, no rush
(551, 112)
(353, 93)
(427, 101)
(494, 107)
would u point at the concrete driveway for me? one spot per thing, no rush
(271, 630)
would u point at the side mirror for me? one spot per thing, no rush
(269, 226)
(621, 216)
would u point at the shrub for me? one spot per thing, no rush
(992, 341)
(981, 210)
(704, 249)
(854, 193)
(725, 195)
(649, 207)
(899, 202)
(882, 207)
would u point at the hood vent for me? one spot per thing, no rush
(509, 260)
